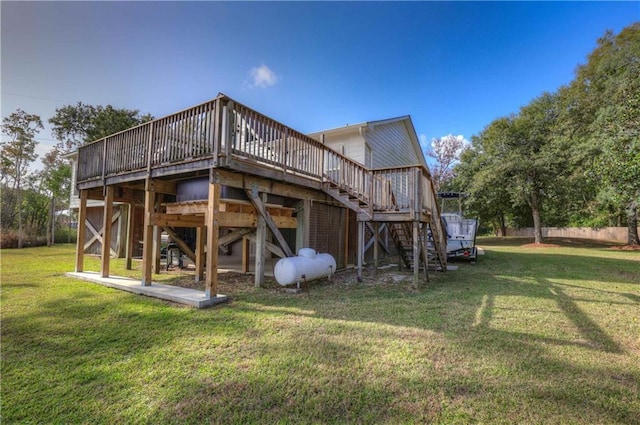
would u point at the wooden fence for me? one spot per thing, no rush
(616, 234)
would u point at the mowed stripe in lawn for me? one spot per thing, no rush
(543, 335)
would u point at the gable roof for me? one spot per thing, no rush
(362, 127)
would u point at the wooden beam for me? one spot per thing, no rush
(268, 246)
(82, 216)
(233, 236)
(177, 220)
(425, 252)
(199, 253)
(227, 205)
(245, 181)
(130, 234)
(106, 234)
(261, 237)
(416, 253)
(213, 229)
(259, 205)
(360, 252)
(147, 248)
(245, 255)
(303, 225)
(376, 242)
(184, 247)
(164, 186)
(157, 238)
(225, 219)
(347, 214)
(249, 220)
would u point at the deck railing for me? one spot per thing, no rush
(226, 130)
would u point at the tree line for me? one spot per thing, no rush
(568, 158)
(30, 200)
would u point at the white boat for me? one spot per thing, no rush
(461, 231)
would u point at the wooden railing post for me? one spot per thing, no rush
(104, 159)
(227, 130)
(150, 148)
(217, 134)
(322, 170)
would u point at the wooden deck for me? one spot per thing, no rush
(236, 146)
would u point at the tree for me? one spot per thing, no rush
(476, 175)
(536, 160)
(55, 182)
(75, 125)
(517, 161)
(446, 151)
(607, 115)
(18, 153)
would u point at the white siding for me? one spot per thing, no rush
(352, 146)
(391, 145)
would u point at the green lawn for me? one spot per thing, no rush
(527, 335)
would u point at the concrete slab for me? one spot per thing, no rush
(186, 296)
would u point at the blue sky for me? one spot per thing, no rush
(452, 66)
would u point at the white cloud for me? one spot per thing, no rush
(262, 77)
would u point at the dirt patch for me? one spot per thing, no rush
(550, 242)
(626, 248)
(541, 245)
(233, 284)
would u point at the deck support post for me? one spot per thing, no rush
(360, 249)
(147, 238)
(416, 253)
(106, 229)
(261, 238)
(213, 230)
(130, 224)
(347, 217)
(376, 241)
(157, 238)
(246, 246)
(200, 237)
(82, 227)
(303, 221)
(425, 250)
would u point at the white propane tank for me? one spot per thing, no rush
(308, 265)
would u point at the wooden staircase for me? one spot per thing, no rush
(350, 199)
(432, 253)
(402, 234)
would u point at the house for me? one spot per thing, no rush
(376, 144)
(232, 176)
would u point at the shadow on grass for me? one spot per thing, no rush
(338, 354)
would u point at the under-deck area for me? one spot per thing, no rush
(234, 175)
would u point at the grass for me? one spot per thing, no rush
(527, 335)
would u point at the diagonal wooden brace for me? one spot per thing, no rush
(259, 206)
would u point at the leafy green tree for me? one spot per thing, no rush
(74, 125)
(607, 90)
(476, 175)
(17, 154)
(517, 161)
(55, 183)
